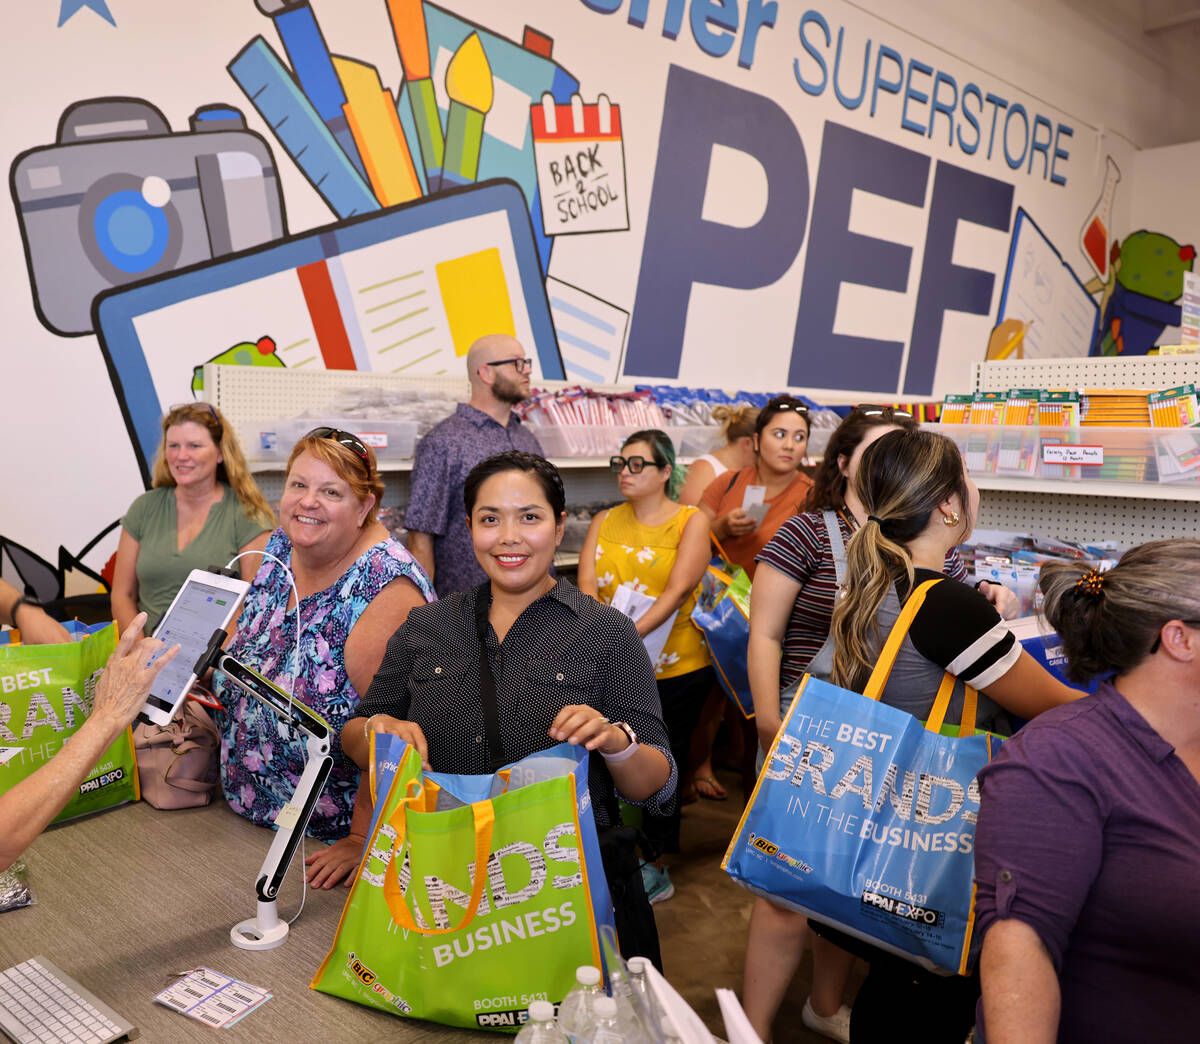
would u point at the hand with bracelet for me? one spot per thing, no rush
(409, 731)
(36, 627)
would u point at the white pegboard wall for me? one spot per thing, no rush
(1140, 371)
(1128, 521)
(258, 392)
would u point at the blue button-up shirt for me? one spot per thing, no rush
(444, 457)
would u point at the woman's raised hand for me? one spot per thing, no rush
(409, 731)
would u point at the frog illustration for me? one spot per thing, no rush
(1147, 279)
(248, 353)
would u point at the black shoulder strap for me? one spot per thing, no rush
(487, 683)
(732, 482)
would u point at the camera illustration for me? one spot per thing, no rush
(120, 198)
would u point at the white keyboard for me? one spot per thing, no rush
(39, 1003)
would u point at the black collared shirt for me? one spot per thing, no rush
(565, 648)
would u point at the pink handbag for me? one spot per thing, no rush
(178, 765)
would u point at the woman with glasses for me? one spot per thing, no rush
(746, 508)
(1089, 826)
(203, 509)
(355, 585)
(658, 548)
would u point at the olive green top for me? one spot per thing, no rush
(161, 567)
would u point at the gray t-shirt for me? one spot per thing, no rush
(957, 630)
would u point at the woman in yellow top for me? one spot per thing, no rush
(660, 549)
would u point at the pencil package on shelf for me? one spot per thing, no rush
(956, 409)
(1178, 456)
(1058, 409)
(1021, 407)
(1114, 408)
(987, 408)
(1174, 407)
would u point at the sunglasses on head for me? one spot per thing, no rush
(209, 407)
(617, 464)
(521, 363)
(870, 409)
(344, 438)
(788, 404)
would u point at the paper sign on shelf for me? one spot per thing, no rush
(580, 157)
(1058, 453)
(1189, 328)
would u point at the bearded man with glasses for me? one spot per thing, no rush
(499, 372)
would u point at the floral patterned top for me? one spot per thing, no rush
(261, 756)
(643, 556)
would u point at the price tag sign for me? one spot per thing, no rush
(1059, 453)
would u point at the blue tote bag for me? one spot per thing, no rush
(722, 613)
(864, 817)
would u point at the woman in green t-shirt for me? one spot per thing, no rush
(203, 509)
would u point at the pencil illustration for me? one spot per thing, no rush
(412, 41)
(469, 85)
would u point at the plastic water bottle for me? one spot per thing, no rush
(575, 1012)
(541, 1028)
(647, 1005)
(604, 1027)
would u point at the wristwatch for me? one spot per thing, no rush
(23, 600)
(629, 751)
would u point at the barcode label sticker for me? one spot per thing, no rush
(212, 998)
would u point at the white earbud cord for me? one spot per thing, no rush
(291, 697)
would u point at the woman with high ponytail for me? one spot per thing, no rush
(1088, 843)
(920, 503)
(660, 548)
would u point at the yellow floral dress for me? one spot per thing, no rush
(643, 556)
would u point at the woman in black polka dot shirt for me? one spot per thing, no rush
(565, 667)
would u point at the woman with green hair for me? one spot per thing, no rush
(659, 548)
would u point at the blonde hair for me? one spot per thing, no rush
(348, 465)
(737, 422)
(902, 478)
(232, 471)
(1110, 627)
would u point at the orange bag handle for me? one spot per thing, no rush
(484, 815)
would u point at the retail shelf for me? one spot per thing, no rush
(1089, 487)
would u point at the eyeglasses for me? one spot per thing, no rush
(869, 409)
(635, 465)
(344, 438)
(522, 363)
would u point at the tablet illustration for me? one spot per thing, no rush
(401, 290)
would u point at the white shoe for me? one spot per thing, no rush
(835, 1026)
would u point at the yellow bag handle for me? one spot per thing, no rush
(941, 705)
(484, 815)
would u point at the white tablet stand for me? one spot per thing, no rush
(266, 930)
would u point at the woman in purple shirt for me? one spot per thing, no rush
(1088, 846)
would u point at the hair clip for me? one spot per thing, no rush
(1091, 583)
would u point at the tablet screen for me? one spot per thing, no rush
(198, 611)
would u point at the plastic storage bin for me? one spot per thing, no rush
(581, 440)
(1130, 456)
(392, 440)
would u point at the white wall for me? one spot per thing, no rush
(71, 471)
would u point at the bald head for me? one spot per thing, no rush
(488, 349)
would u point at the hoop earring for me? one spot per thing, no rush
(951, 519)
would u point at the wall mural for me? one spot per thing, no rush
(839, 205)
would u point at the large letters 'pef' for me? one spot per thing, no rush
(681, 248)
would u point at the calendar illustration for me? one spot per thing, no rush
(580, 158)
